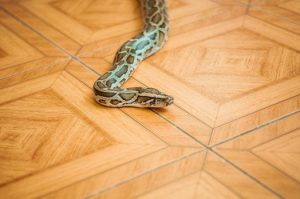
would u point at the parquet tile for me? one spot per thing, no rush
(270, 154)
(284, 14)
(166, 123)
(49, 122)
(75, 19)
(212, 181)
(228, 62)
(105, 186)
(45, 130)
(246, 73)
(255, 120)
(24, 54)
(233, 67)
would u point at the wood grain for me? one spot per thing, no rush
(137, 170)
(156, 178)
(233, 67)
(42, 118)
(24, 54)
(270, 151)
(212, 182)
(174, 115)
(284, 14)
(127, 140)
(255, 120)
(27, 88)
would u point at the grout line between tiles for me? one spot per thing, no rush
(150, 171)
(93, 70)
(257, 127)
(266, 107)
(170, 122)
(47, 23)
(149, 131)
(207, 147)
(60, 72)
(274, 138)
(55, 44)
(114, 167)
(210, 148)
(174, 125)
(246, 173)
(180, 129)
(73, 57)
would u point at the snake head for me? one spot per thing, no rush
(153, 98)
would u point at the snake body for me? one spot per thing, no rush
(107, 87)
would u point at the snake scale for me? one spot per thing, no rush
(107, 87)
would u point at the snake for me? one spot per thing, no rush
(107, 88)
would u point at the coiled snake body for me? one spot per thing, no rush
(107, 88)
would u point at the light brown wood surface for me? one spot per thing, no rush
(233, 67)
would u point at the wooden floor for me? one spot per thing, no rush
(233, 67)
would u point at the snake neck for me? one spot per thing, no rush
(138, 48)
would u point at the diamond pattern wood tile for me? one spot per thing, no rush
(24, 54)
(65, 15)
(284, 14)
(225, 64)
(210, 66)
(212, 181)
(245, 83)
(257, 119)
(52, 132)
(166, 121)
(202, 13)
(225, 70)
(270, 154)
(139, 182)
(232, 65)
(38, 131)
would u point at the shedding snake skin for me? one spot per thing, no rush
(107, 88)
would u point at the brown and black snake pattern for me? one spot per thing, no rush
(107, 88)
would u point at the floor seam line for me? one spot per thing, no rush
(247, 174)
(270, 122)
(106, 170)
(150, 171)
